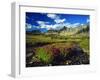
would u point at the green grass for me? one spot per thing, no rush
(61, 44)
(83, 41)
(85, 44)
(43, 55)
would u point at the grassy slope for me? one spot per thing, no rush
(82, 40)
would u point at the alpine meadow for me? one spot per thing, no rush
(54, 39)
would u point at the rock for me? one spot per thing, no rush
(77, 56)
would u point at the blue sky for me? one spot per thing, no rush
(47, 21)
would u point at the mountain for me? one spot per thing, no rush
(63, 31)
(71, 30)
(84, 29)
(36, 31)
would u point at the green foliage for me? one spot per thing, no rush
(43, 55)
(85, 44)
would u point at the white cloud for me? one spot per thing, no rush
(52, 16)
(57, 26)
(82, 24)
(60, 20)
(28, 26)
(76, 24)
(56, 18)
(48, 27)
(70, 25)
(41, 22)
(67, 25)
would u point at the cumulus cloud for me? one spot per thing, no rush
(52, 16)
(60, 20)
(43, 24)
(28, 26)
(48, 27)
(67, 24)
(76, 24)
(56, 18)
(70, 24)
(81, 24)
(59, 23)
(57, 26)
